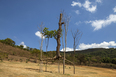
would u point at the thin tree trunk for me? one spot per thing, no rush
(74, 56)
(64, 57)
(66, 24)
(64, 51)
(41, 62)
(46, 53)
(74, 61)
(58, 65)
(46, 66)
(64, 63)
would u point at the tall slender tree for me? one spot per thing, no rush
(76, 37)
(42, 36)
(48, 34)
(66, 19)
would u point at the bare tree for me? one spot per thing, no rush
(58, 41)
(66, 19)
(76, 37)
(58, 37)
(42, 36)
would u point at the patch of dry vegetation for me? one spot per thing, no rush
(22, 69)
(14, 51)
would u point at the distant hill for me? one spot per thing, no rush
(86, 50)
(101, 52)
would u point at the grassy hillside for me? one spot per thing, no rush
(10, 53)
(93, 57)
(4, 48)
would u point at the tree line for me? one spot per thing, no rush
(90, 56)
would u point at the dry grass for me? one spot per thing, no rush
(21, 69)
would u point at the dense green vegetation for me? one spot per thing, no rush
(98, 55)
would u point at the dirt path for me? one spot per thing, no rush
(18, 69)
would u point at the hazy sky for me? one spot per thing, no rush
(96, 19)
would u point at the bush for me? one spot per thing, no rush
(106, 60)
(94, 60)
(111, 65)
(8, 41)
(27, 60)
(114, 60)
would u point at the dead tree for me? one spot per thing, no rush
(58, 38)
(76, 37)
(41, 31)
(58, 41)
(66, 19)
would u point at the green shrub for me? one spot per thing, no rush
(27, 60)
(114, 60)
(111, 65)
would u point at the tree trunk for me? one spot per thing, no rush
(58, 37)
(58, 65)
(46, 66)
(46, 54)
(58, 42)
(41, 62)
(74, 61)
